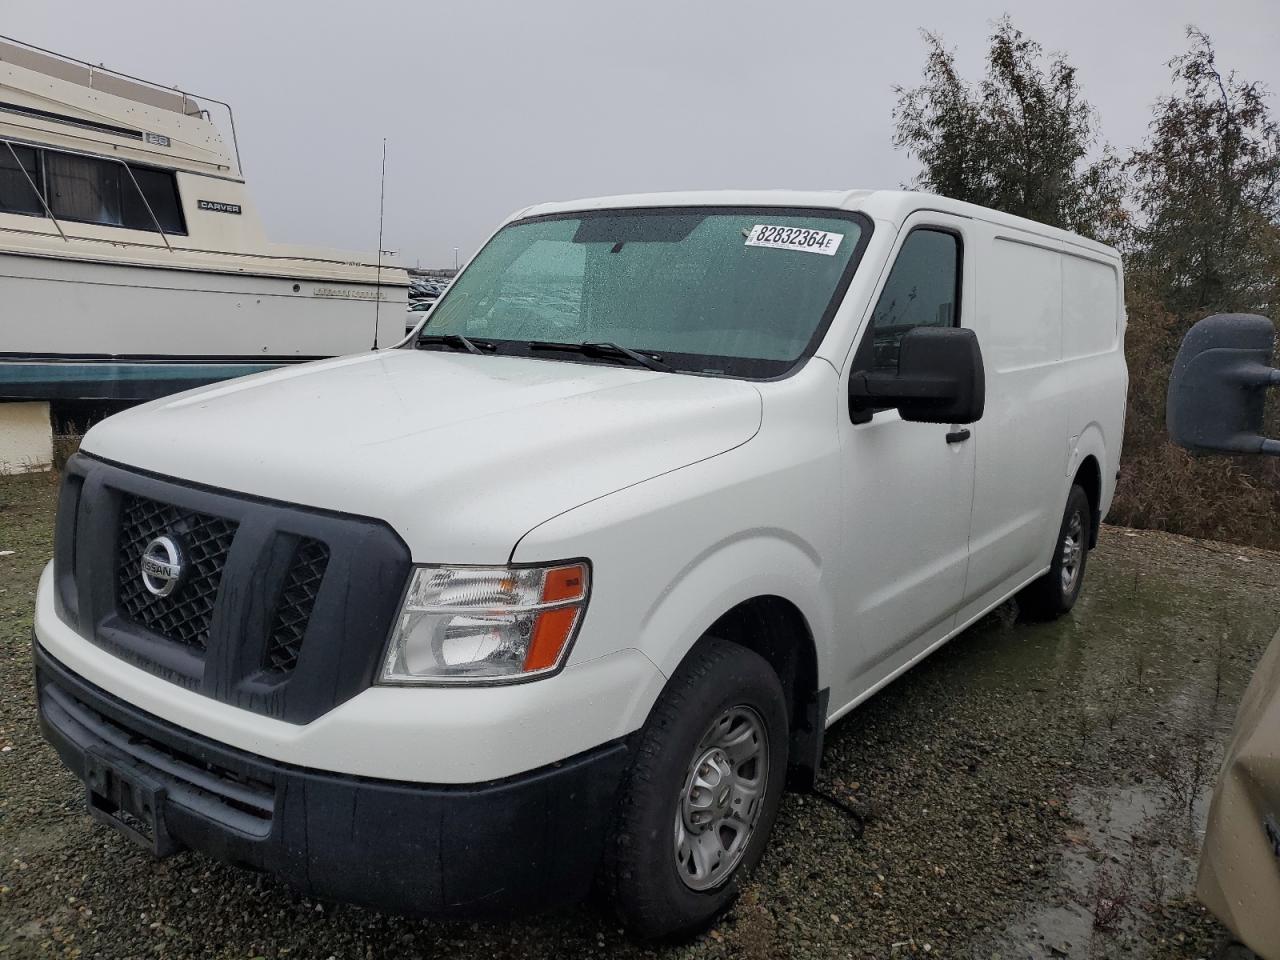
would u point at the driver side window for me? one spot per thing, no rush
(923, 290)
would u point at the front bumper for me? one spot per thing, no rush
(526, 842)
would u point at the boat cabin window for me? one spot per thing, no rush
(89, 190)
(101, 191)
(161, 190)
(16, 178)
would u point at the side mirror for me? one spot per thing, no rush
(1217, 391)
(940, 379)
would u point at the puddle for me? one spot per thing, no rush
(1132, 853)
(1155, 658)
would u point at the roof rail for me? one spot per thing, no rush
(121, 84)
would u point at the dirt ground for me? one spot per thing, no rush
(1029, 791)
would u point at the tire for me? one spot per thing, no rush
(720, 693)
(1055, 593)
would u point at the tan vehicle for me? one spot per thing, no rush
(1217, 395)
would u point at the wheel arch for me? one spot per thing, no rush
(775, 628)
(1090, 460)
(762, 590)
(1089, 476)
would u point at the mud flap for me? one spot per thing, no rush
(128, 801)
(806, 742)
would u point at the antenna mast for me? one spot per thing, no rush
(382, 207)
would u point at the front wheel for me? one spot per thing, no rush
(1055, 593)
(700, 799)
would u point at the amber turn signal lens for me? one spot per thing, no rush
(549, 637)
(554, 627)
(564, 583)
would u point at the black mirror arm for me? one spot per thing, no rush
(1262, 377)
(1258, 376)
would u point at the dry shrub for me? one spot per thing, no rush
(1214, 498)
(64, 447)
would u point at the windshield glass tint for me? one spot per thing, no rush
(723, 291)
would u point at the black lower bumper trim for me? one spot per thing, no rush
(528, 842)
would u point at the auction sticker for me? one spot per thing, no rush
(794, 238)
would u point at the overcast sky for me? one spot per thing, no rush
(490, 106)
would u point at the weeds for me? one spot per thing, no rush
(1084, 726)
(1185, 773)
(1111, 713)
(1155, 874)
(1218, 661)
(65, 443)
(1109, 898)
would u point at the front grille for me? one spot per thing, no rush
(183, 616)
(297, 600)
(277, 609)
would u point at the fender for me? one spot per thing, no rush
(670, 556)
(713, 583)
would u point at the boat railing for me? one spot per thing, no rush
(146, 203)
(49, 212)
(34, 189)
(187, 98)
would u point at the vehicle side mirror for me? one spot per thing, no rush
(940, 379)
(1217, 391)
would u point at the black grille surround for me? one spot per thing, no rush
(281, 609)
(184, 616)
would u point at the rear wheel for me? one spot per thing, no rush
(700, 799)
(1055, 593)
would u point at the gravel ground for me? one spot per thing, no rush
(1030, 791)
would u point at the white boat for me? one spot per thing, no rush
(132, 263)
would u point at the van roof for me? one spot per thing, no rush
(893, 206)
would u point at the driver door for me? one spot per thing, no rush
(908, 487)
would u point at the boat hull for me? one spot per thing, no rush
(77, 329)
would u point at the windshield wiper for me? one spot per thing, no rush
(458, 342)
(603, 348)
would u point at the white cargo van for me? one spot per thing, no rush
(570, 585)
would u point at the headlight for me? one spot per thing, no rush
(485, 623)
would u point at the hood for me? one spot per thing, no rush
(460, 454)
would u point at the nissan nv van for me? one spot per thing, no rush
(566, 588)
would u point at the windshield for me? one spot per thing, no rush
(742, 292)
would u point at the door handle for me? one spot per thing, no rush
(958, 436)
